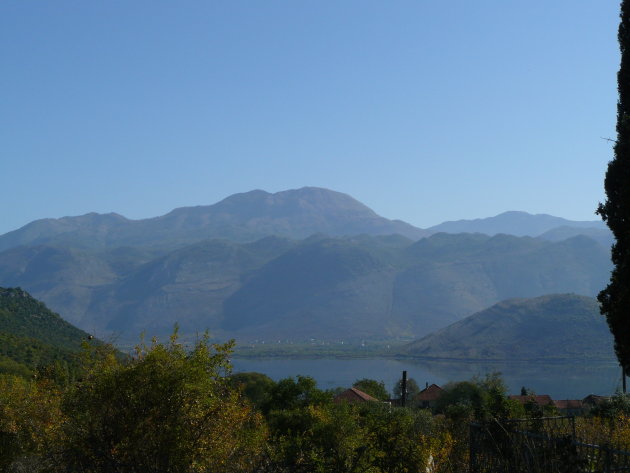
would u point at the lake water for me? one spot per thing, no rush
(559, 380)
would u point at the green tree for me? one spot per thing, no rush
(290, 393)
(167, 409)
(479, 398)
(613, 408)
(256, 387)
(615, 298)
(318, 438)
(400, 439)
(412, 389)
(374, 388)
(327, 437)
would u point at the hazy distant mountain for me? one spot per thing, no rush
(513, 223)
(89, 230)
(295, 264)
(67, 278)
(241, 217)
(451, 276)
(188, 286)
(550, 327)
(323, 288)
(364, 286)
(603, 236)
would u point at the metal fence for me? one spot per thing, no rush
(542, 445)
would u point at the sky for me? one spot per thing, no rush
(423, 110)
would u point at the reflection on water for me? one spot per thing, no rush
(559, 380)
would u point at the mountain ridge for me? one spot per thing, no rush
(247, 216)
(513, 222)
(294, 213)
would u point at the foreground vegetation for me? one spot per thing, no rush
(171, 409)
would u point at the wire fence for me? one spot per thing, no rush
(542, 445)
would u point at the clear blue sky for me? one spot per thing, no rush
(424, 110)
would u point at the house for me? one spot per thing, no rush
(569, 407)
(593, 400)
(353, 395)
(541, 399)
(427, 398)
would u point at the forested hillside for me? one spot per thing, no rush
(558, 326)
(33, 337)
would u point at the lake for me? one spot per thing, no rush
(559, 380)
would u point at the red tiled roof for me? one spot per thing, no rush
(354, 395)
(431, 393)
(568, 404)
(540, 399)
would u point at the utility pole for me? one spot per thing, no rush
(623, 379)
(403, 390)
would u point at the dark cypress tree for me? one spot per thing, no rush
(615, 299)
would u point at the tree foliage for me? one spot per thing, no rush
(615, 298)
(29, 419)
(165, 410)
(256, 387)
(374, 388)
(479, 398)
(170, 408)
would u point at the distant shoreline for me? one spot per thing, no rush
(264, 354)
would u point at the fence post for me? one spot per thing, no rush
(473, 449)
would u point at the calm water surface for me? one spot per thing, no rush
(559, 380)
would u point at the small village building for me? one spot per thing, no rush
(428, 397)
(542, 400)
(569, 407)
(593, 400)
(353, 395)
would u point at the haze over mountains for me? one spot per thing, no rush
(295, 264)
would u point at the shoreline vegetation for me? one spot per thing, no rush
(370, 349)
(171, 407)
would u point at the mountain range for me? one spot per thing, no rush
(241, 217)
(296, 264)
(249, 216)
